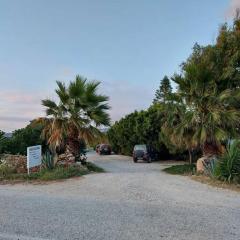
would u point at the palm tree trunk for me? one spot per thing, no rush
(73, 143)
(73, 146)
(190, 156)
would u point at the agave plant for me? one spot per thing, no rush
(228, 166)
(48, 160)
(210, 166)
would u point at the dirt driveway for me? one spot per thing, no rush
(130, 201)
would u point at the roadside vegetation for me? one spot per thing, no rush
(200, 117)
(185, 169)
(10, 175)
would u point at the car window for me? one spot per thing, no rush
(104, 146)
(140, 147)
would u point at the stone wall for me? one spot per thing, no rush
(18, 162)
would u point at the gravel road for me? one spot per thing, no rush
(128, 202)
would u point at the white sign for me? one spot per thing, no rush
(34, 156)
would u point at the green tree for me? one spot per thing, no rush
(23, 138)
(176, 138)
(165, 89)
(143, 127)
(2, 141)
(210, 115)
(76, 116)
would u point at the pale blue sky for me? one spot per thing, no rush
(129, 45)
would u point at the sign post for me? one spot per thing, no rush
(34, 157)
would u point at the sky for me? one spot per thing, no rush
(128, 45)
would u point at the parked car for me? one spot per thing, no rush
(144, 152)
(104, 149)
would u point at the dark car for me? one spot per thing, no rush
(104, 149)
(144, 152)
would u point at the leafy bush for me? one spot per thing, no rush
(21, 139)
(228, 166)
(181, 169)
(6, 171)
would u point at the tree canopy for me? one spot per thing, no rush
(164, 91)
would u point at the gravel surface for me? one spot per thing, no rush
(128, 202)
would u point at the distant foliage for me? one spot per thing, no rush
(2, 141)
(21, 139)
(142, 127)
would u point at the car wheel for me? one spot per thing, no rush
(149, 160)
(135, 160)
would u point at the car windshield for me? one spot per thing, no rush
(140, 147)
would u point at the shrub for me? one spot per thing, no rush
(21, 139)
(228, 166)
(6, 171)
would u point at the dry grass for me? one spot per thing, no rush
(216, 183)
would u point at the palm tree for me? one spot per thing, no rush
(172, 130)
(209, 116)
(76, 117)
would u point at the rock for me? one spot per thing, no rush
(200, 164)
(205, 164)
(66, 159)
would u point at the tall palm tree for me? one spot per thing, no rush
(209, 116)
(77, 115)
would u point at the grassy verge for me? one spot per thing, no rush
(185, 169)
(216, 183)
(94, 168)
(9, 175)
(190, 170)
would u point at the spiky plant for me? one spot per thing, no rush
(228, 166)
